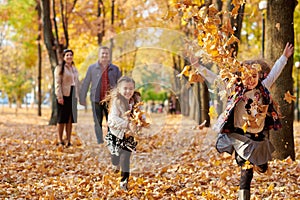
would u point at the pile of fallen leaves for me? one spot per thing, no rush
(172, 161)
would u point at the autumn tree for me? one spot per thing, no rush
(279, 31)
(49, 41)
(17, 52)
(56, 37)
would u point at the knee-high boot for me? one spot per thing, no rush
(245, 183)
(244, 194)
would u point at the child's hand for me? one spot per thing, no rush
(288, 50)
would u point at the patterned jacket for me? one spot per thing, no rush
(225, 122)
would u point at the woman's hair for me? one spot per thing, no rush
(64, 62)
(264, 67)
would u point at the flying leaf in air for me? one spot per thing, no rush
(185, 71)
(212, 112)
(195, 77)
(289, 98)
(247, 165)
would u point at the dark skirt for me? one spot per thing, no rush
(115, 145)
(257, 152)
(69, 109)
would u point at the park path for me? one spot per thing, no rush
(172, 159)
(168, 138)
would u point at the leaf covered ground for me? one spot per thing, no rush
(173, 161)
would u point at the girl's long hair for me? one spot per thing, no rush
(114, 94)
(265, 67)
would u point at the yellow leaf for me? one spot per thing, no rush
(245, 126)
(271, 187)
(289, 98)
(247, 165)
(183, 22)
(235, 11)
(231, 40)
(212, 112)
(227, 28)
(185, 71)
(46, 141)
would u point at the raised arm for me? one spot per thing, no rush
(278, 66)
(205, 73)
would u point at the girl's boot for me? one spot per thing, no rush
(244, 194)
(123, 185)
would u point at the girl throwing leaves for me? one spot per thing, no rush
(249, 114)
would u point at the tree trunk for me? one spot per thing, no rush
(101, 25)
(280, 30)
(205, 105)
(237, 23)
(198, 97)
(38, 8)
(195, 106)
(51, 48)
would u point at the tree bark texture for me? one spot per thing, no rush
(101, 25)
(39, 38)
(237, 23)
(51, 48)
(280, 30)
(205, 105)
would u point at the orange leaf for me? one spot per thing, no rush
(195, 77)
(289, 98)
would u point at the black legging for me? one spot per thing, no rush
(124, 161)
(247, 174)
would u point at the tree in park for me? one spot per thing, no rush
(17, 53)
(56, 35)
(216, 43)
(279, 31)
(204, 21)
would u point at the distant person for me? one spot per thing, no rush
(102, 76)
(172, 105)
(66, 91)
(120, 141)
(152, 106)
(166, 105)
